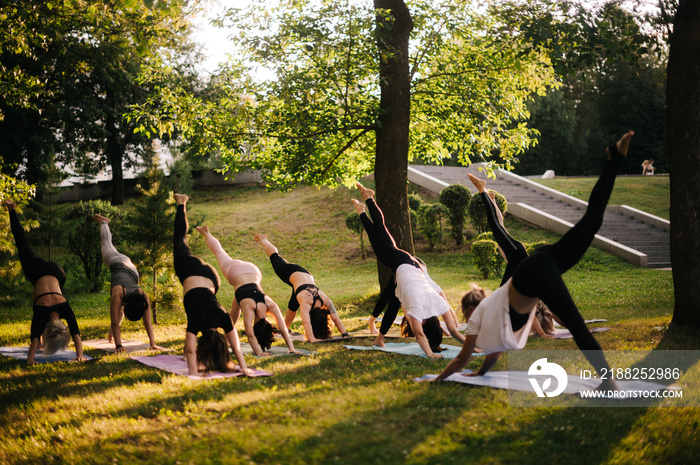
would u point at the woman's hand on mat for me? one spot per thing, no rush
(435, 356)
(120, 350)
(81, 358)
(156, 347)
(472, 373)
(246, 371)
(264, 354)
(294, 351)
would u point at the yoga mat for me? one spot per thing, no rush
(177, 365)
(563, 333)
(397, 320)
(392, 333)
(412, 348)
(298, 337)
(130, 346)
(20, 353)
(275, 350)
(519, 381)
(460, 326)
(588, 322)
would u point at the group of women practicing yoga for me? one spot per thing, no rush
(531, 291)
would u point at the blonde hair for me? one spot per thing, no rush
(56, 337)
(472, 299)
(544, 318)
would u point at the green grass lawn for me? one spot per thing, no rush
(647, 193)
(339, 406)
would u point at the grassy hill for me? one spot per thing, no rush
(339, 406)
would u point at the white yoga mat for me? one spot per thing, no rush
(588, 322)
(412, 348)
(177, 365)
(563, 333)
(520, 381)
(130, 346)
(274, 350)
(21, 353)
(298, 337)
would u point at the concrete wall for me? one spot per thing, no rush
(202, 179)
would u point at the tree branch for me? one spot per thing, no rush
(341, 151)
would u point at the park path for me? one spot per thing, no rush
(631, 234)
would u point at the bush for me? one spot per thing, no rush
(430, 221)
(456, 198)
(487, 258)
(534, 246)
(80, 234)
(487, 236)
(477, 210)
(354, 224)
(414, 202)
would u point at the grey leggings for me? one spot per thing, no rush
(124, 272)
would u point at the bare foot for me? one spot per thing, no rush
(364, 192)
(100, 219)
(9, 204)
(181, 199)
(480, 184)
(359, 206)
(203, 230)
(623, 144)
(260, 237)
(379, 341)
(372, 328)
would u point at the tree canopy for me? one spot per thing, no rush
(70, 70)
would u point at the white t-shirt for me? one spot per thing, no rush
(490, 322)
(419, 295)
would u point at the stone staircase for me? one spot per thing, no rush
(636, 236)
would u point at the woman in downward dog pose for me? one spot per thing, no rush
(502, 320)
(200, 282)
(317, 310)
(419, 295)
(50, 306)
(388, 297)
(127, 298)
(245, 278)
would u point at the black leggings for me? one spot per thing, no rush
(539, 275)
(34, 267)
(388, 297)
(284, 269)
(382, 242)
(185, 263)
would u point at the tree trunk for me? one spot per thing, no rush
(115, 155)
(391, 159)
(683, 142)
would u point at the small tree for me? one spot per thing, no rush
(354, 224)
(151, 230)
(431, 217)
(477, 212)
(80, 235)
(456, 198)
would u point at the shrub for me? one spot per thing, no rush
(81, 235)
(534, 246)
(477, 210)
(487, 236)
(414, 202)
(430, 221)
(354, 224)
(456, 198)
(487, 258)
